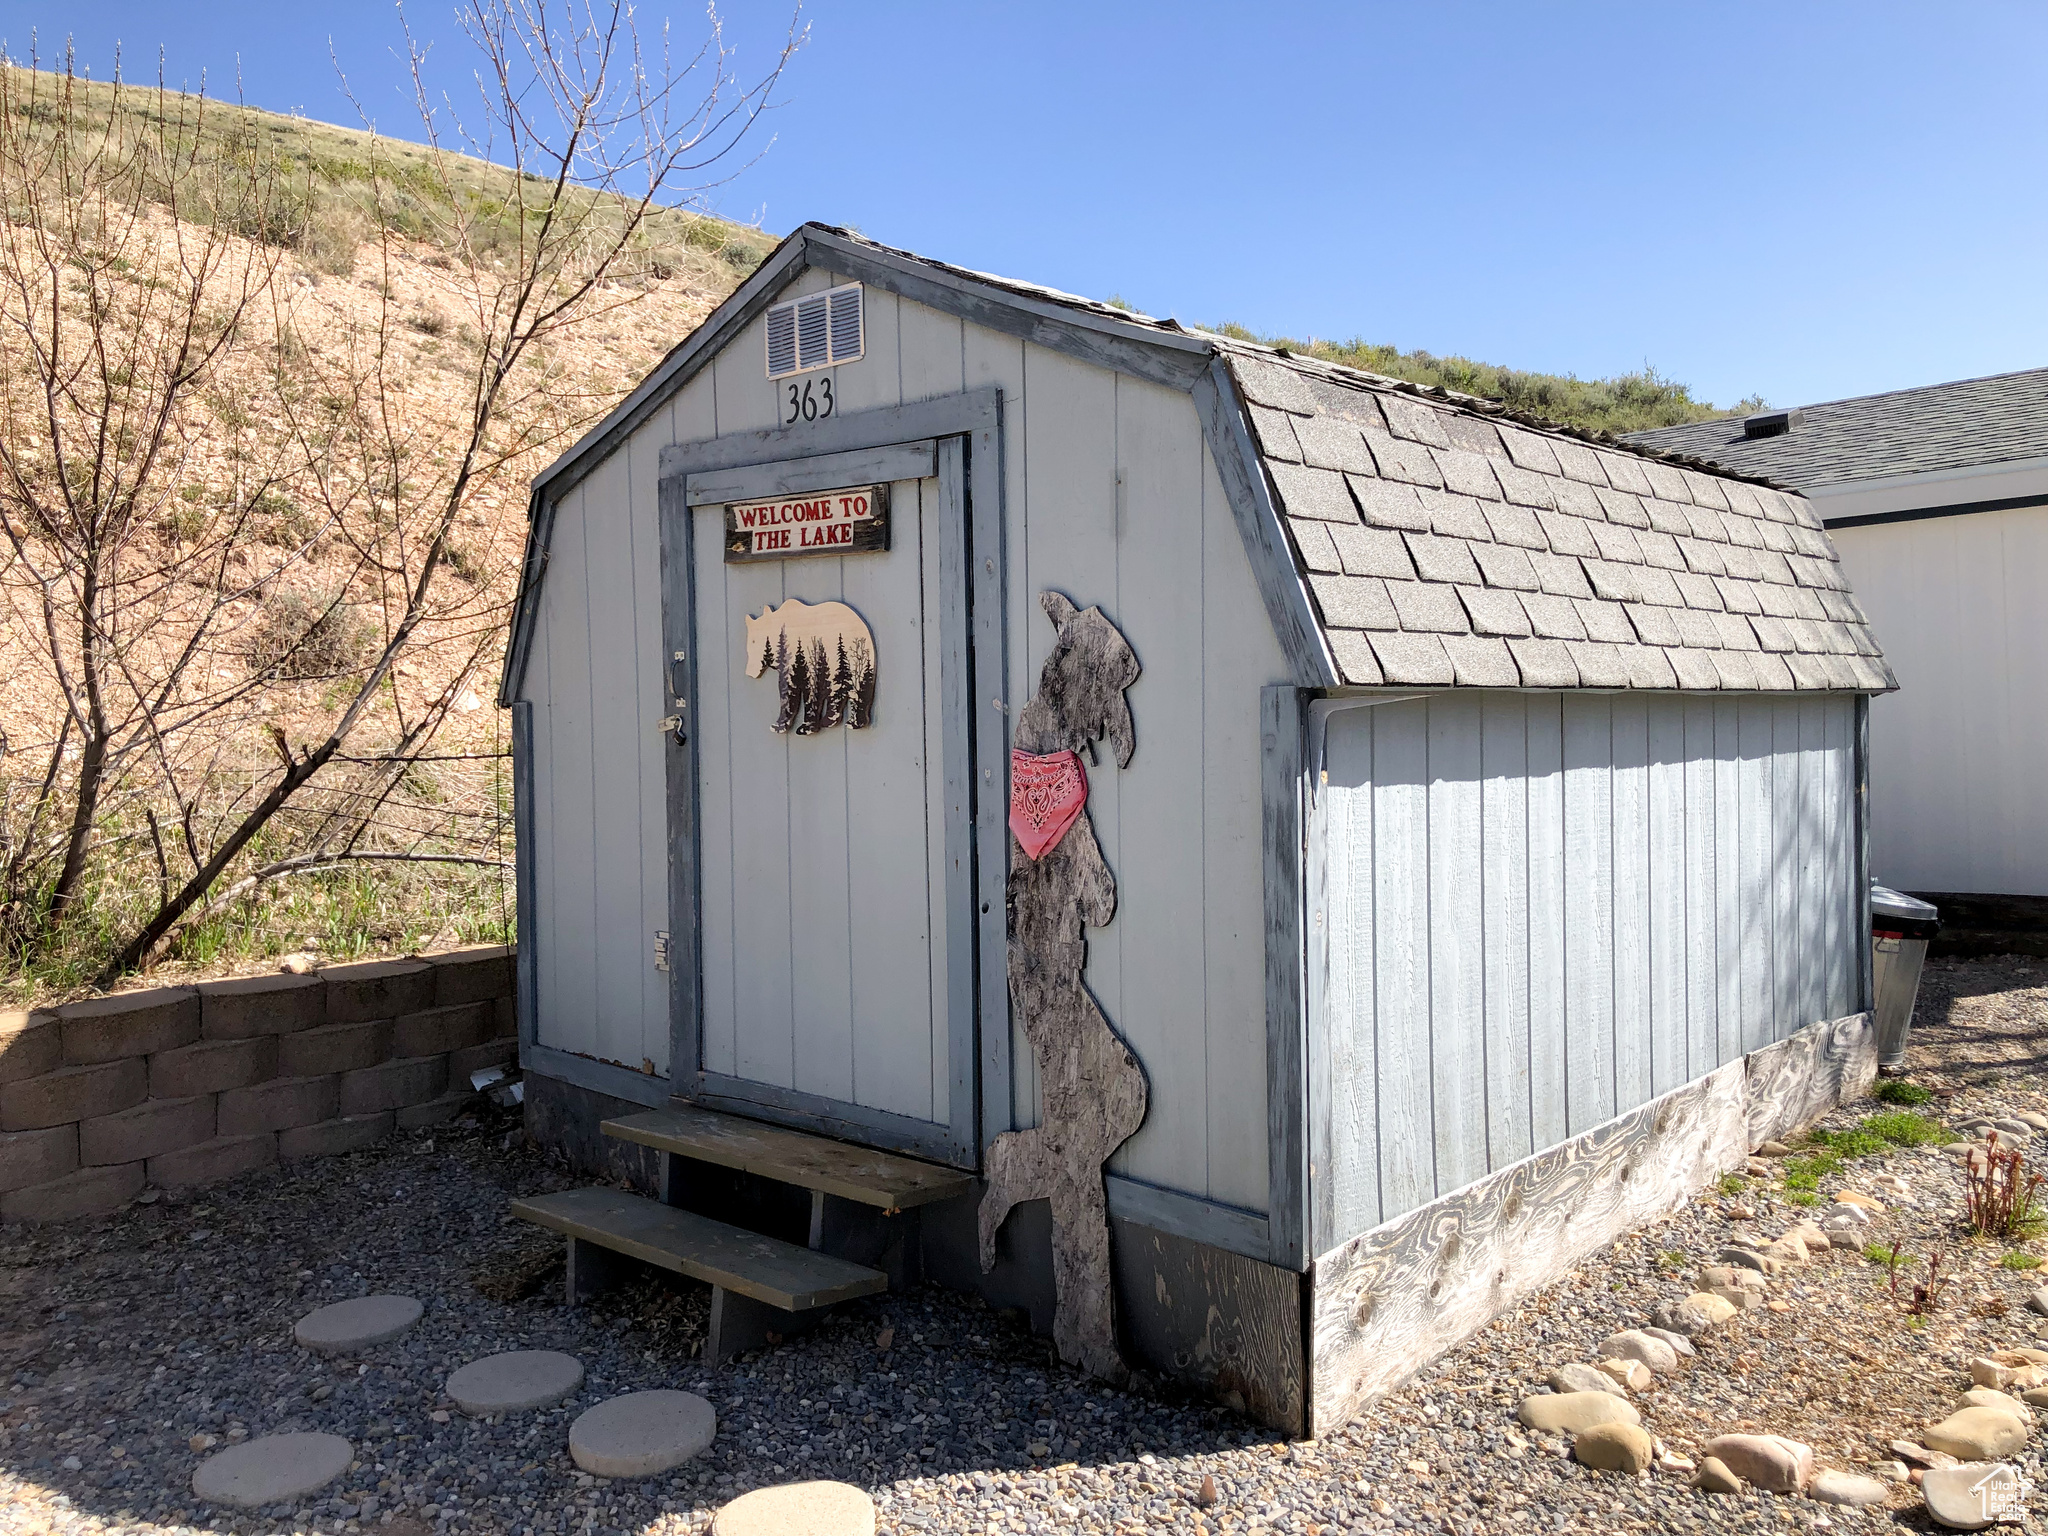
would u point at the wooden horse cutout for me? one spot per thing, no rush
(1091, 1088)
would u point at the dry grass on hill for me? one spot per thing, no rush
(271, 558)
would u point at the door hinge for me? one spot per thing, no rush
(661, 949)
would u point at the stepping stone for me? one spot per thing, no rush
(276, 1469)
(798, 1509)
(525, 1378)
(348, 1326)
(641, 1433)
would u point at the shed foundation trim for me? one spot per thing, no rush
(1388, 1302)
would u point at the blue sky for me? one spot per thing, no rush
(1803, 201)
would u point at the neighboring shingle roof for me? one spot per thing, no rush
(1448, 545)
(1943, 426)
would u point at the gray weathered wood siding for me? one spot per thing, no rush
(1109, 496)
(1530, 913)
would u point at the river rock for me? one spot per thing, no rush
(1850, 1488)
(1681, 1344)
(1733, 1274)
(2038, 1302)
(1634, 1344)
(1742, 1298)
(1736, 1256)
(1811, 1233)
(2013, 1127)
(1615, 1448)
(1574, 1413)
(1977, 1434)
(1861, 1202)
(1919, 1455)
(1714, 1477)
(1989, 1397)
(1630, 1373)
(1969, 1497)
(1774, 1149)
(2035, 1397)
(2033, 1117)
(1846, 1238)
(1581, 1378)
(1771, 1462)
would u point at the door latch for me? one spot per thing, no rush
(661, 949)
(673, 725)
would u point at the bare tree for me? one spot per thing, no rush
(600, 135)
(136, 465)
(221, 541)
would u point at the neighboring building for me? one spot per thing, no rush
(1480, 841)
(1937, 499)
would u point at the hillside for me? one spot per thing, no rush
(364, 268)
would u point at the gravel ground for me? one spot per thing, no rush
(124, 1343)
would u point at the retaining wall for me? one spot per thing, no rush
(178, 1086)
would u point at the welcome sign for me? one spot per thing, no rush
(843, 522)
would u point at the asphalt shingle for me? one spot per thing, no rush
(1445, 546)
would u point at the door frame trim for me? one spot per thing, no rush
(966, 431)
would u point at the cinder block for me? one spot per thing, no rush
(212, 1161)
(212, 1066)
(334, 1048)
(507, 1009)
(441, 1030)
(492, 1053)
(36, 1157)
(88, 1192)
(30, 1044)
(244, 1006)
(439, 1111)
(393, 1085)
(377, 989)
(330, 1138)
(472, 975)
(129, 1024)
(73, 1093)
(279, 1105)
(152, 1127)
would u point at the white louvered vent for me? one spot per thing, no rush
(819, 330)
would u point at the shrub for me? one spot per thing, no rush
(1903, 1128)
(299, 637)
(1895, 1090)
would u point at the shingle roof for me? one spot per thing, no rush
(1943, 426)
(1448, 545)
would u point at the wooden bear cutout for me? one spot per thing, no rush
(1091, 1088)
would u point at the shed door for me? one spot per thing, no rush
(834, 892)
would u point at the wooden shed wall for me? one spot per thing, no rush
(1110, 497)
(1534, 912)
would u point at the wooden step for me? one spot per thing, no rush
(861, 1174)
(764, 1269)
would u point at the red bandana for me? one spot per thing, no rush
(1046, 794)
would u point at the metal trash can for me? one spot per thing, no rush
(1900, 927)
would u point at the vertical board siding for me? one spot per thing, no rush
(1109, 495)
(1543, 911)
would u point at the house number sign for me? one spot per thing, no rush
(843, 522)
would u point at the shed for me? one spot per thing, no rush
(1937, 498)
(1266, 863)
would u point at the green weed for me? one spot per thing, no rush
(1733, 1184)
(1896, 1090)
(2018, 1260)
(1878, 1253)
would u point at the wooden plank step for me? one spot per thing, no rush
(839, 1168)
(765, 1269)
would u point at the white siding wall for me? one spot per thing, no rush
(1544, 911)
(1956, 754)
(1110, 498)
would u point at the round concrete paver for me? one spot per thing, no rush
(351, 1325)
(275, 1469)
(798, 1509)
(526, 1378)
(642, 1433)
